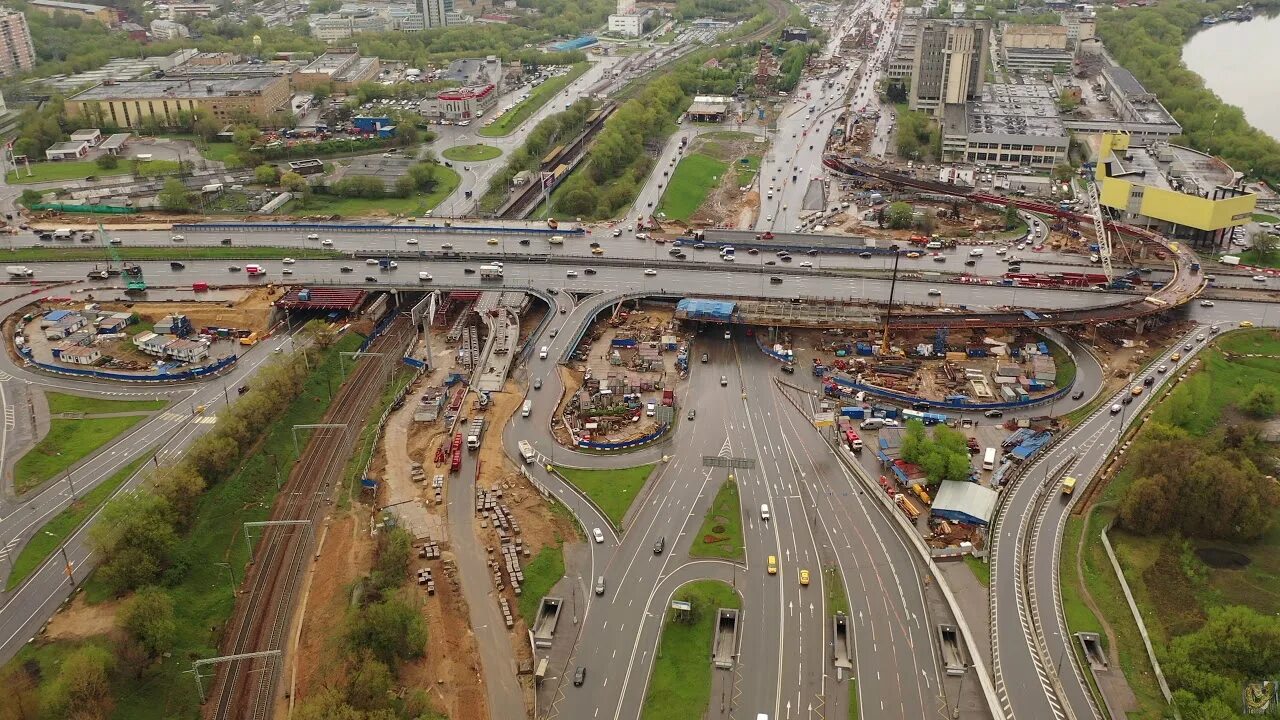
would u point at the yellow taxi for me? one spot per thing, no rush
(804, 577)
(492, 241)
(1175, 357)
(773, 564)
(1246, 324)
(597, 251)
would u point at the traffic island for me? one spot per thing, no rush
(612, 491)
(680, 686)
(721, 533)
(471, 153)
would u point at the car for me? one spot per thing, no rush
(175, 265)
(234, 268)
(1162, 369)
(1126, 399)
(313, 236)
(1116, 408)
(178, 238)
(594, 245)
(1077, 395)
(600, 585)
(769, 218)
(411, 241)
(934, 292)
(728, 335)
(693, 414)
(1188, 347)
(994, 413)
(370, 279)
(617, 232)
(913, 255)
(806, 264)
(579, 675)
(785, 258)
(597, 534)
(650, 271)
(590, 271)
(1175, 357)
(371, 261)
(346, 269)
(1259, 278)
(659, 545)
(469, 271)
(1148, 381)
(804, 577)
(864, 255)
(571, 273)
(424, 276)
(773, 565)
(1206, 303)
(970, 263)
(537, 383)
(446, 246)
(775, 279)
(1200, 337)
(1246, 324)
(524, 241)
(286, 271)
(724, 380)
(327, 242)
(288, 261)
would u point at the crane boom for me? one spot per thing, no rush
(1100, 230)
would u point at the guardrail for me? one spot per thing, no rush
(448, 227)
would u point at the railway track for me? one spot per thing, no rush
(245, 688)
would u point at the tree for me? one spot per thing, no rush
(205, 126)
(180, 485)
(899, 215)
(30, 197)
(265, 174)
(21, 691)
(1063, 173)
(1265, 245)
(393, 553)
(294, 183)
(174, 196)
(895, 92)
(369, 683)
(135, 540)
(1261, 401)
(244, 136)
(320, 333)
(391, 629)
(82, 688)
(107, 162)
(1145, 505)
(404, 186)
(1011, 218)
(147, 618)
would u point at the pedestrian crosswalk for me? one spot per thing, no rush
(4, 376)
(199, 419)
(10, 418)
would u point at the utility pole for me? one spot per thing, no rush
(888, 314)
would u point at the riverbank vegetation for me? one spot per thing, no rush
(1148, 42)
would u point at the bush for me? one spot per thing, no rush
(108, 161)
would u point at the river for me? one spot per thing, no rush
(1237, 61)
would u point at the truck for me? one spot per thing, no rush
(254, 270)
(490, 272)
(474, 433)
(526, 451)
(63, 234)
(1068, 485)
(1229, 260)
(669, 397)
(19, 271)
(211, 188)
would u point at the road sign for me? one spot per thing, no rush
(824, 419)
(728, 462)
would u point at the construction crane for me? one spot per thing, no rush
(1100, 229)
(135, 283)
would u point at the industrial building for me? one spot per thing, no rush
(474, 72)
(903, 58)
(110, 17)
(709, 108)
(1030, 48)
(132, 104)
(1172, 189)
(1014, 125)
(949, 65)
(17, 54)
(342, 68)
(626, 25)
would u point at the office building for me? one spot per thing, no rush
(341, 68)
(109, 17)
(1172, 189)
(1029, 48)
(626, 25)
(181, 10)
(435, 13)
(17, 54)
(949, 65)
(134, 103)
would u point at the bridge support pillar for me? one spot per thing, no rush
(1139, 325)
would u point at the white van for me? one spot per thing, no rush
(764, 513)
(872, 424)
(542, 354)
(989, 460)
(526, 408)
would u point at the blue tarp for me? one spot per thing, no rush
(964, 502)
(716, 310)
(1031, 446)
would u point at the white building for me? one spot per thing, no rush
(626, 25)
(70, 150)
(179, 10)
(168, 30)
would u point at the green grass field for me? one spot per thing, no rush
(981, 570)
(540, 574)
(471, 153)
(722, 525)
(1066, 367)
(541, 95)
(1197, 403)
(1263, 217)
(56, 531)
(64, 170)
(680, 686)
(612, 490)
(183, 252)
(60, 403)
(67, 443)
(357, 207)
(833, 584)
(1252, 257)
(695, 176)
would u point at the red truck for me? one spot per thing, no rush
(669, 398)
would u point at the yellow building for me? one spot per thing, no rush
(99, 13)
(137, 103)
(1176, 190)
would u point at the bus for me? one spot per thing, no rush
(927, 418)
(989, 460)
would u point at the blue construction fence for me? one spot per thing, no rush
(780, 357)
(371, 228)
(910, 400)
(413, 362)
(191, 374)
(378, 329)
(662, 430)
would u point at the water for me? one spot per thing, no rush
(1236, 61)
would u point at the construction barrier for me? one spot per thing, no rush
(192, 374)
(72, 208)
(662, 430)
(239, 227)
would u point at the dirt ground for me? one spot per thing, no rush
(81, 620)
(250, 313)
(727, 200)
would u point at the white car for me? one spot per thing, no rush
(371, 261)
(287, 271)
(597, 534)
(806, 264)
(617, 232)
(976, 252)
(446, 246)
(288, 261)
(393, 265)
(178, 238)
(1206, 303)
(411, 241)
(313, 236)
(935, 292)
(650, 271)
(326, 242)
(1001, 251)
(1259, 278)
(571, 273)
(424, 276)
